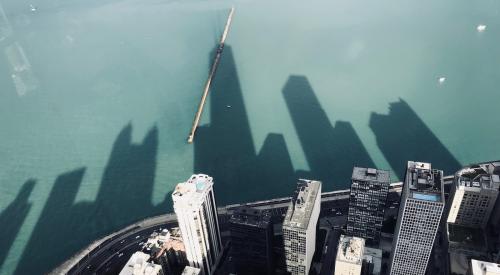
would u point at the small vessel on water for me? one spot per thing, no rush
(481, 28)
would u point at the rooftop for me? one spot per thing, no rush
(370, 174)
(300, 210)
(480, 176)
(189, 270)
(351, 249)
(251, 216)
(484, 268)
(157, 244)
(423, 182)
(138, 265)
(193, 190)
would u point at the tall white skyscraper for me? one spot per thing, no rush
(299, 226)
(194, 205)
(422, 204)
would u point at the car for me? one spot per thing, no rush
(138, 236)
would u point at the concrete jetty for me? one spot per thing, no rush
(211, 75)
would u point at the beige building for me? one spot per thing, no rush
(349, 255)
(474, 195)
(299, 227)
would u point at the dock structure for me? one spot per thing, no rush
(211, 75)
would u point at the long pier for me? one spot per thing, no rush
(211, 75)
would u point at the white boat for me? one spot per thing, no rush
(481, 28)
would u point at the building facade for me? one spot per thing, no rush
(299, 226)
(369, 189)
(349, 258)
(196, 211)
(475, 192)
(422, 205)
(472, 200)
(251, 241)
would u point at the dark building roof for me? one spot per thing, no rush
(251, 217)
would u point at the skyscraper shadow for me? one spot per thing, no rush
(331, 151)
(402, 136)
(52, 234)
(13, 216)
(125, 195)
(225, 150)
(128, 180)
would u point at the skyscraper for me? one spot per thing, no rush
(472, 199)
(475, 192)
(367, 200)
(251, 241)
(194, 205)
(299, 226)
(422, 204)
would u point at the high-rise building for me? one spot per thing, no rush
(422, 204)
(349, 259)
(475, 192)
(367, 200)
(194, 205)
(472, 200)
(251, 241)
(299, 226)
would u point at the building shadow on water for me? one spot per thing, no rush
(225, 150)
(402, 135)
(13, 216)
(125, 196)
(331, 151)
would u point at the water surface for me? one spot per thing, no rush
(97, 99)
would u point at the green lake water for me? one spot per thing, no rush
(97, 99)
